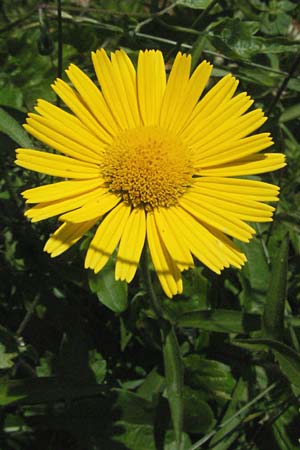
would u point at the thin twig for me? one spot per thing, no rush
(204, 13)
(284, 84)
(27, 317)
(154, 16)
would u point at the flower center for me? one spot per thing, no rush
(148, 166)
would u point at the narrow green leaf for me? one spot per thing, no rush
(197, 50)
(288, 359)
(273, 316)
(221, 320)
(174, 379)
(12, 128)
(290, 113)
(286, 428)
(225, 436)
(194, 4)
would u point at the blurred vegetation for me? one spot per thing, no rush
(80, 355)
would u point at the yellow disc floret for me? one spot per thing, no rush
(148, 166)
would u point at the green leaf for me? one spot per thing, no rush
(197, 49)
(273, 316)
(198, 416)
(221, 320)
(254, 276)
(212, 378)
(194, 4)
(111, 292)
(290, 113)
(44, 390)
(235, 38)
(11, 96)
(152, 386)
(174, 379)
(6, 359)
(288, 359)
(286, 428)
(9, 126)
(97, 365)
(257, 270)
(133, 408)
(141, 437)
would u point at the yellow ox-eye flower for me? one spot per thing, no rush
(148, 161)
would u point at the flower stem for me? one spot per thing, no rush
(171, 354)
(154, 301)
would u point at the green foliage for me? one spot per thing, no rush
(110, 292)
(82, 362)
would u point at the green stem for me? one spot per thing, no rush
(174, 379)
(154, 301)
(171, 353)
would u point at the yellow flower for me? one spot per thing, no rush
(148, 161)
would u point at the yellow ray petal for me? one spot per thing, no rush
(209, 245)
(212, 105)
(56, 165)
(93, 98)
(241, 189)
(176, 86)
(235, 256)
(230, 151)
(151, 84)
(221, 92)
(250, 165)
(92, 209)
(168, 273)
(46, 131)
(49, 209)
(131, 245)
(106, 238)
(246, 201)
(58, 191)
(231, 130)
(190, 96)
(79, 108)
(172, 239)
(119, 89)
(217, 218)
(69, 125)
(250, 211)
(198, 240)
(227, 113)
(66, 236)
(123, 66)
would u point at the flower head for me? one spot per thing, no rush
(147, 161)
